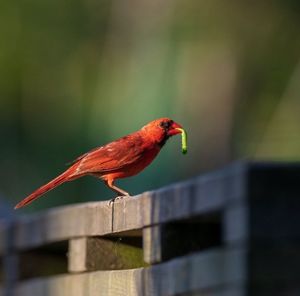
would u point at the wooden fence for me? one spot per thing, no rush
(233, 232)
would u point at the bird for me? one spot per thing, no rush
(122, 158)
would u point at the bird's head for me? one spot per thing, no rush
(160, 130)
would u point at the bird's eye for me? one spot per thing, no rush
(165, 124)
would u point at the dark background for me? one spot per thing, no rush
(77, 74)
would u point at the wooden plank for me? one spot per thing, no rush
(9, 260)
(10, 271)
(197, 196)
(221, 187)
(77, 254)
(62, 223)
(152, 243)
(110, 283)
(259, 205)
(198, 272)
(127, 214)
(236, 228)
(77, 285)
(186, 199)
(218, 268)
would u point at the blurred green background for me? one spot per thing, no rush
(77, 74)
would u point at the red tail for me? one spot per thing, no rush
(64, 177)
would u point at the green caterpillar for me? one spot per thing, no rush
(183, 140)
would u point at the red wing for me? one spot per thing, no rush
(112, 156)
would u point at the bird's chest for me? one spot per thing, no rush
(135, 167)
(146, 158)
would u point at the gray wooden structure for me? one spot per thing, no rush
(233, 232)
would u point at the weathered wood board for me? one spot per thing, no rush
(234, 232)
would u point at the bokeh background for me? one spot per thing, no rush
(77, 74)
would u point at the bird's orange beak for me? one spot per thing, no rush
(175, 129)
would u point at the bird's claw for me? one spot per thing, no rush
(116, 198)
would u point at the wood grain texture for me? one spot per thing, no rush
(236, 228)
(197, 272)
(63, 223)
(186, 199)
(152, 244)
(257, 208)
(77, 254)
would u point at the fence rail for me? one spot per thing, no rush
(231, 232)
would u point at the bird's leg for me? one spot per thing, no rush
(122, 193)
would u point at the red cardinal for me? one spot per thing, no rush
(122, 158)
